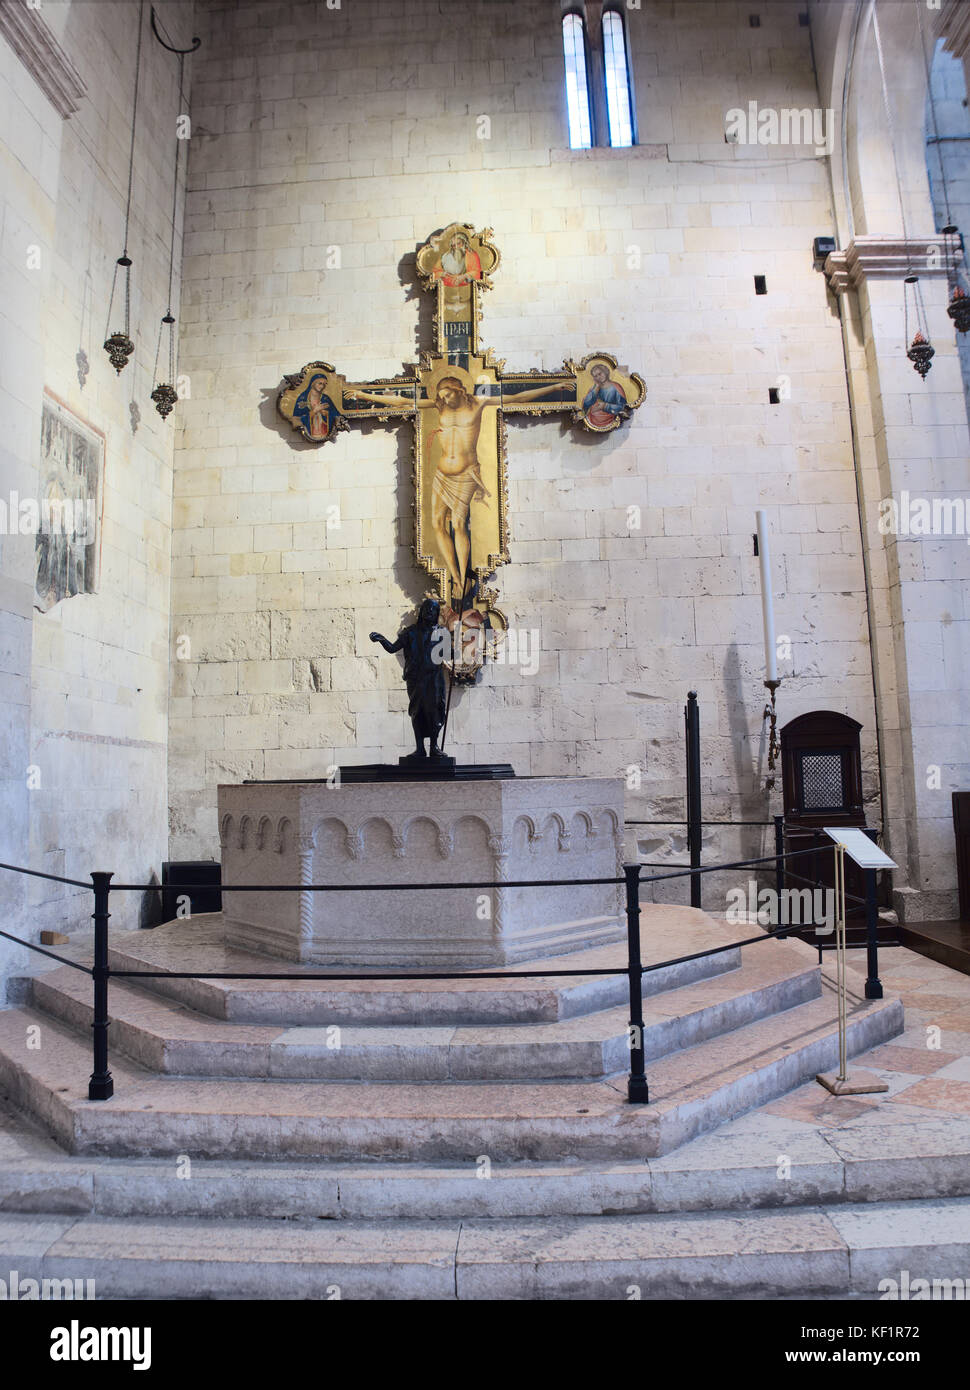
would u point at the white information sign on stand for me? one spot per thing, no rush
(867, 855)
(860, 849)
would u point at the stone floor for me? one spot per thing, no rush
(927, 1067)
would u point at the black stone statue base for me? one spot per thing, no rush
(426, 770)
(407, 770)
(425, 760)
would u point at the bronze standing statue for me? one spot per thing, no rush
(425, 679)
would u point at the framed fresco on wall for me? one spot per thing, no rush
(69, 502)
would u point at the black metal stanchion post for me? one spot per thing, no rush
(873, 982)
(637, 1087)
(693, 730)
(817, 838)
(780, 868)
(101, 1086)
(779, 851)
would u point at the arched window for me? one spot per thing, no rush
(616, 66)
(577, 82)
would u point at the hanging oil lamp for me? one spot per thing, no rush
(118, 345)
(959, 303)
(921, 351)
(921, 354)
(164, 394)
(958, 306)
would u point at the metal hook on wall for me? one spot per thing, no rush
(196, 42)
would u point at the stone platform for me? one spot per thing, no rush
(336, 1128)
(519, 1069)
(415, 833)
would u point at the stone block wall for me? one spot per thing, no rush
(85, 753)
(911, 435)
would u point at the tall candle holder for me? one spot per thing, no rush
(771, 718)
(772, 680)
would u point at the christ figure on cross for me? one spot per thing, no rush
(457, 479)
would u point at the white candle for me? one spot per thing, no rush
(767, 602)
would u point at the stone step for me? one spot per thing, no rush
(175, 1040)
(197, 944)
(808, 1252)
(692, 1091)
(735, 1169)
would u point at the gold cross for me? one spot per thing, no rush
(457, 397)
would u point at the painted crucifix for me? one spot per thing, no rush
(456, 398)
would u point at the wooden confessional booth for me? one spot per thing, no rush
(822, 785)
